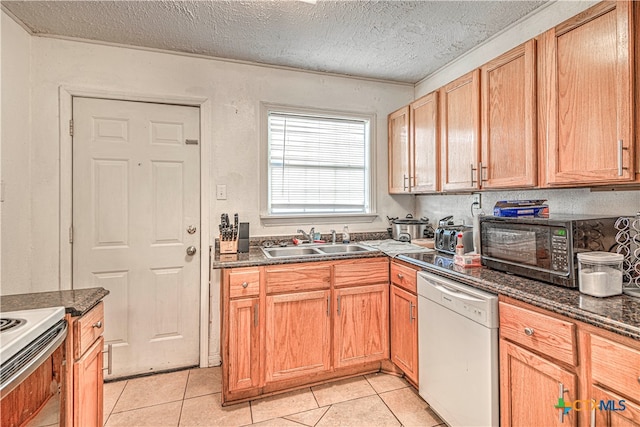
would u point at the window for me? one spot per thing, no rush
(317, 163)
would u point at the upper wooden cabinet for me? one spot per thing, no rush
(586, 99)
(413, 147)
(424, 144)
(508, 144)
(460, 132)
(398, 122)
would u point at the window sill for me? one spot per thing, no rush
(313, 219)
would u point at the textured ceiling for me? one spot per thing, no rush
(391, 40)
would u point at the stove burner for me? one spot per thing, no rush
(7, 324)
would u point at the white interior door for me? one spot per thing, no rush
(136, 211)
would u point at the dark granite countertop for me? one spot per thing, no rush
(256, 257)
(619, 314)
(76, 302)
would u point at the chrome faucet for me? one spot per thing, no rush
(333, 237)
(309, 236)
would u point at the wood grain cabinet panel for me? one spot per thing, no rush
(586, 98)
(88, 387)
(508, 145)
(404, 277)
(624, 416)
(403, 314)
(361, 272)
(361, 326)
(244, 344)
(424, 144)
(530, 387)
(460, 133)
(298, 331)
(398, 149)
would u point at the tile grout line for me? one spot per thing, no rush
(104, 422)
(184, 396)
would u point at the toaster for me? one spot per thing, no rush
(446, 238)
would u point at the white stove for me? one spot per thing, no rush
(27, 338)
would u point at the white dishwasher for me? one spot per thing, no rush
(458, 351)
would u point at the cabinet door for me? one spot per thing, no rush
(586, 98)
(244, 344)
(613, 410)
(530, 389)
(509, 120)
(404, 332)
(460, 129)
(87, 387)
(361, 328)
(399, 179)
(298, 328)
(424, 144)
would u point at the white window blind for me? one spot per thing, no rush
(317, 165)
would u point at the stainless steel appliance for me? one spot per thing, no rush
(458, 351)
(446, 238)
(544, 248)
(409, 228)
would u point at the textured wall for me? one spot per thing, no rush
(16, 164)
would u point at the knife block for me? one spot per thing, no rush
(228, 246)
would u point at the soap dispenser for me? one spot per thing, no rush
(345, 235)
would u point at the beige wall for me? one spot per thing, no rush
(235, 92)
(16, 241)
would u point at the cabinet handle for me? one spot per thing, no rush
(245, 284)
(98, 324)
(481, 170)
(405, 185)
(562, 392)
(400, 275)
(109, 352)
(255, 315)
(411, 317)
(328, 306)
(473, 170)
(529, 332)
(621, 148)
(338, 305)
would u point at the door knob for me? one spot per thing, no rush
(191, 250)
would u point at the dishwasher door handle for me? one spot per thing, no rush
(456, 294)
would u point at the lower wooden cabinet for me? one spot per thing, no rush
(87, 386)
(404, 331)
(361, 327)
(530, 387)
(285, 326)
(298, 331)
(244, 344)
(621, 411)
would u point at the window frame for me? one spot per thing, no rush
(269, 219)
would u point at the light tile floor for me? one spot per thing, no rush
(192, 398)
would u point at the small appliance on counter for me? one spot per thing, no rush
(446, 236)
(544, 248)
(409, 228)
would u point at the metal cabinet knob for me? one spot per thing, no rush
(528, 331)
(191, 250)
(98, 324)
(400, 275)
(245, 284)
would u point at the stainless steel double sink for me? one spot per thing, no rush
(316, 250)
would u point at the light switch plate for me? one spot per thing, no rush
(476, 201)
(221, 192)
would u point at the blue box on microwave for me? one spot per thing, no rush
(521, 208)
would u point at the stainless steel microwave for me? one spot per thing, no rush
(544, 249)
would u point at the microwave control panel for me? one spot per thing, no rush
(559, 253)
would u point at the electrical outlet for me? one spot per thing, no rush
(476, 201)
(221, 192)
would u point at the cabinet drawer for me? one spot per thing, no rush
(361, 272)
(244, 283)
(87, 329)
(616, 366)
(544, 334)
(404, 276)
(303, 277)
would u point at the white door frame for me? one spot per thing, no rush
(66, 93)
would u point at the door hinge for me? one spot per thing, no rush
(71, 127)
(70, 234)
